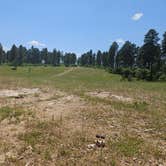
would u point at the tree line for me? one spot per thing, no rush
(18, 56)
(145, 62)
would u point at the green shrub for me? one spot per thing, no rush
(162, 77)
(156, 75)
(127, 73)
(143, 74)
(164, 69)
(109, 70)
(117, 71)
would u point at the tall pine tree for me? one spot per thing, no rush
(14, 55)
(149, 55)
(1, 54)
(126, 55)
(112, 54)
(99, 58)
(164, 46)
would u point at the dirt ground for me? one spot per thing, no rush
(74, 117)
(45, 105)
(109, 96)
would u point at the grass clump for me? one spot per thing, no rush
(31, 138)
(128, 146)
(140, 106)
(7, 112)
(40, 132)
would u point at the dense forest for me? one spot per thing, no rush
(147, 62)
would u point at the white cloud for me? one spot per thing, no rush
(120, 41)
(137, 16)
(5, 48)
(36, 43)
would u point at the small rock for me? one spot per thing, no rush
(20, 158)
(111, 126)
(91, 146)
(28, 163)
(140, 162)
(29, 148)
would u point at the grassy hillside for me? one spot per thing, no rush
(56, 125)
(84, 78)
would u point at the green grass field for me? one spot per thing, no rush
(84, 78)
(135, 131)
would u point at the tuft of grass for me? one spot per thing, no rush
(7, 112)
(128, 146)
(40, 133)
(140, 106)
(47, 154)
(64, 152)
(31, 138)
(41, 125)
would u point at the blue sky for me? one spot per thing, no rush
(79, 25)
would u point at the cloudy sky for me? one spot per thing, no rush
(79, 25)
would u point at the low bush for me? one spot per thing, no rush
(162, 77)
(127, 73)
(117, 71)
(143, 74)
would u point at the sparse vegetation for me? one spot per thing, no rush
(62, 119)
(128, 146)
(7, 112)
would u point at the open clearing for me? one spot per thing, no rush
(50, 116)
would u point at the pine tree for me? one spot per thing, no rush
(126, 55)
(1, 54)
(94, 59)
(14, 55)
(44, 55)
(105, 59)
(21, 54)
(150, 54)
(99, 58)
(164, 46)
(112, 54)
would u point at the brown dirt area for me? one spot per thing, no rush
(56, 128)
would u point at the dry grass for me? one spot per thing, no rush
(55, 126)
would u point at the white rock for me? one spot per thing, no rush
(91, 146)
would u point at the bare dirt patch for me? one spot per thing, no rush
(40, 105)
(18, 92)
(109, 96)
